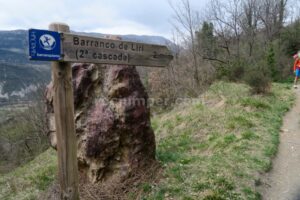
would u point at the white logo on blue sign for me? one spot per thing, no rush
(44, 45)
(47, 42)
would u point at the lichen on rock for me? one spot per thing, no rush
(112, 119)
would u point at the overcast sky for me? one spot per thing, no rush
(141, 17)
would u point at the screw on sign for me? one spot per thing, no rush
(61, 47)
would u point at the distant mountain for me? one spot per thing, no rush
(134, 38)
(19, 76)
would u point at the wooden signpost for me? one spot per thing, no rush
(65, 126)
(62, 47)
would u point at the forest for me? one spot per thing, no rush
(251, 41)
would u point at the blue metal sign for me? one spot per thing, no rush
(44, 45)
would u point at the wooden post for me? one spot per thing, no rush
(63, 104)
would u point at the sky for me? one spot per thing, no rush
(140, 17)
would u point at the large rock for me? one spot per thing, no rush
(112, 120)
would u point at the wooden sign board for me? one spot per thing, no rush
(84, 49)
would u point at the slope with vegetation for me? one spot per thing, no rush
(22, 134)
(217, 149)
(28, 181)
(213, 148)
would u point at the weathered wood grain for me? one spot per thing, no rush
(65, 126)
(77, 48)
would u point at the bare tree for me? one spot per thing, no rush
(293, 7)
(226, 16)
(249, 23)
(272, 15)
(187, 22)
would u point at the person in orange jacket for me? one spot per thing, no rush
(297, 69)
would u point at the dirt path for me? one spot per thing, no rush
(283, 182)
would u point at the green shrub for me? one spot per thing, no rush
(272, 64)
(233, 71)
(259, 81)
(23, 131)
(236, 72)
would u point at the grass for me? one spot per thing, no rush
(28, 181)
(216, 153)
(209, 150)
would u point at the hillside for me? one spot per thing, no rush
(19, 76)
(213, 147)
(218, 147)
